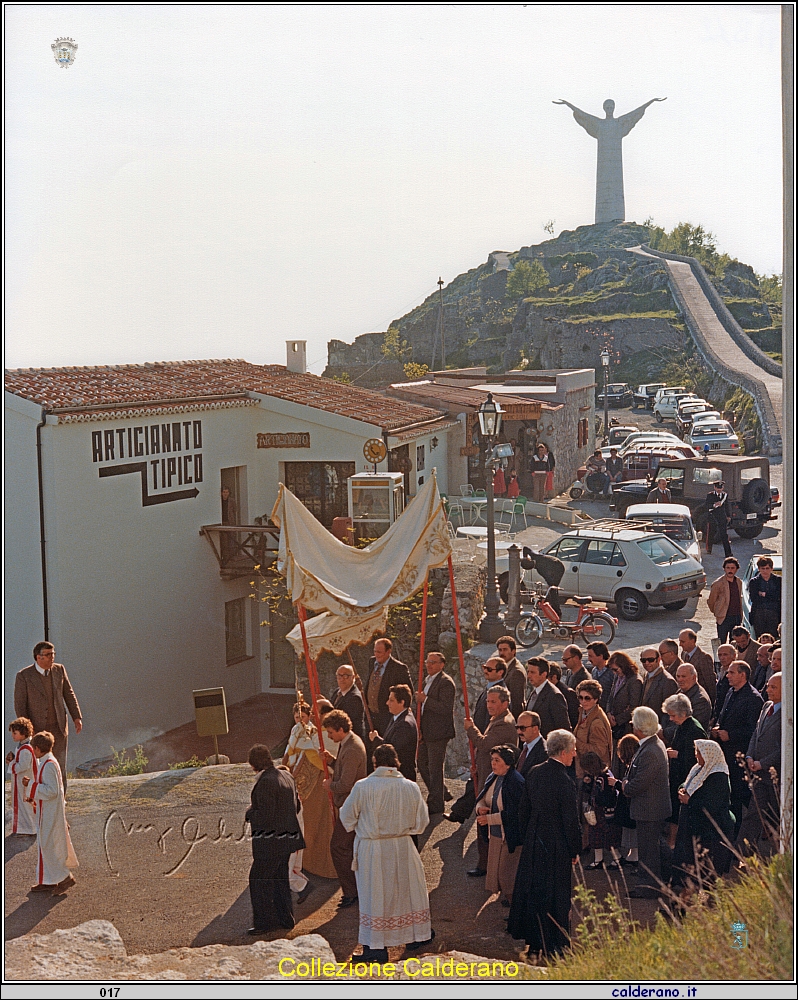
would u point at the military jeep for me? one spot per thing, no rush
(747, 481)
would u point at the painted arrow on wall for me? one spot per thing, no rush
(146, 499)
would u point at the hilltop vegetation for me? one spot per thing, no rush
(560, 302)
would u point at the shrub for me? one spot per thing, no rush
(193, 761)
(123, 764)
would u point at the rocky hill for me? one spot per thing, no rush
(598, 295)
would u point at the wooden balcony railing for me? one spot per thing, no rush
(240, 548)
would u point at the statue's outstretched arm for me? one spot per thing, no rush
(631, 119)
(588, 122)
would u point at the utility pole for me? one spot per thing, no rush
(440, 322)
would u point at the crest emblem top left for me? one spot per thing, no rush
(64, 50)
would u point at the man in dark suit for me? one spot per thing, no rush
(42, 693)
(545, 699)
(571, 698)
(531, 743)
(401, 732)
(572, 662)
(646, 786)
(436, 699)
(703, 662)
(500, 729)
(347, 697)
(669, 655)
(761, 821)
(737, 721)
(657, 685)
(494, 670)
(273, 818)
(515, 677)
(598, 656)
(384, 673)
(746, 646)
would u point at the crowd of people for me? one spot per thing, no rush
(633, 763)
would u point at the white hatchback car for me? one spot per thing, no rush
(673, 520)
(616, 561)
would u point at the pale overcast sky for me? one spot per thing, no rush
(209, 181)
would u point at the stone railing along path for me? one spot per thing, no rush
(723, 344)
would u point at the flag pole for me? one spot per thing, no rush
(421, 657)
(456, 617)
(315, 694)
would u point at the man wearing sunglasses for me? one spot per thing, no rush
(657, 684)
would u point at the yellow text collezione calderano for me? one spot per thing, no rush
(425, 968)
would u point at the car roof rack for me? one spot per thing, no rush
(613, 525)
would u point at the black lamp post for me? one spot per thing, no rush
(605, 364)
(490, 421)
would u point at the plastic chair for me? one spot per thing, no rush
(519, 510)
(522, 500)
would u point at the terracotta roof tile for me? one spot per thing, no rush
(111, 386)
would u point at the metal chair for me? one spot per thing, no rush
(519, 510)
(467, 490)
(480, 493)
(456, 509)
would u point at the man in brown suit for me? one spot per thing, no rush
(500, 729)
(703, 662)
(40, 693)
(349, 767)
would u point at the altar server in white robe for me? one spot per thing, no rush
(385, 810)
(56, 854)
(22, 768)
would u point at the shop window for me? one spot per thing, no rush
(321, 486)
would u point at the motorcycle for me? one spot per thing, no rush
(592, 485)
(542, 620)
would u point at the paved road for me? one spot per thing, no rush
(718, 339)
(163, 858)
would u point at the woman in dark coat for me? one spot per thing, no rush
(625, 695)
(541, 905)
(681, 752)
(273, 818)
(705, 799)
(498, 807)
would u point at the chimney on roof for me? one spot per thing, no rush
(296, 356)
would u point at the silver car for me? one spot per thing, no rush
(716, 437)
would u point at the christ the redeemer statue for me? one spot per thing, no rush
(609, 168)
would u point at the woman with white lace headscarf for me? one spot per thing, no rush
(706, 822)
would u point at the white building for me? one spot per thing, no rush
(112, 473)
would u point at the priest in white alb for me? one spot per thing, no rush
(385, 810)
(56, 855)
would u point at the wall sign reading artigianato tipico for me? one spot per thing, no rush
(170, 456)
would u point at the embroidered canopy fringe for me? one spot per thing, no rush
(336, 633)
(324, 574)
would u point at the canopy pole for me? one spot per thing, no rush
(421, 657)
(315, 694)
(456, 617)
